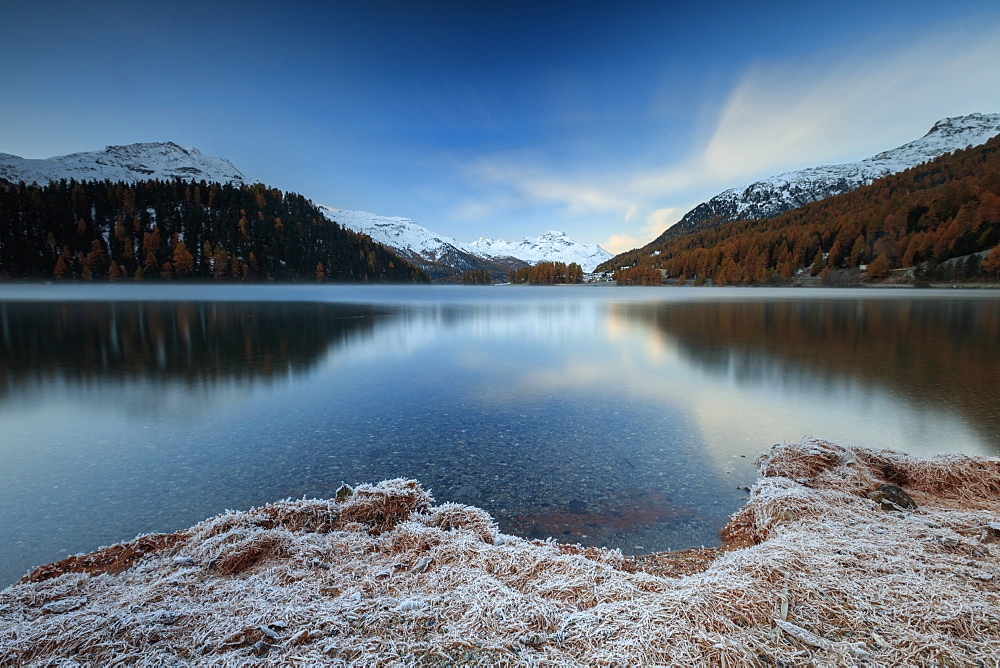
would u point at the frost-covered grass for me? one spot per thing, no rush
(385, 577)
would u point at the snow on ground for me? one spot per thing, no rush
(823, 575)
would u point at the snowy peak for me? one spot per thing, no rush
(167, 161)
(399, 233)
(970, 124)
(775, 195)
(553, 246)
(948, 134)
(419, 244)
(442, 257)
(132, 162)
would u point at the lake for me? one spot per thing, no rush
(624, 417)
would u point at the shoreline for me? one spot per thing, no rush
(815, 569)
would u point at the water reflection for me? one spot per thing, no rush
(151, 416)
(589, 415)
(932, 354)
(195, 344)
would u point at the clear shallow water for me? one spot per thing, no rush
(619, 417)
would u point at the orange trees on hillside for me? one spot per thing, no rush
(949, 207)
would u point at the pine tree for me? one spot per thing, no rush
(878, 268)
(818, 263)
(991, 263)
(114, 272)
(62, 264)
(183, 260)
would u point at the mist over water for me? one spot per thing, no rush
(619, 417)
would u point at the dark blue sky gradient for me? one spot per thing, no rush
(494, 119)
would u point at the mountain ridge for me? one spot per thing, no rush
(783, 192)
(936, 221)
(130, 162)
(431, 250)
(552, 246)
(441, 256)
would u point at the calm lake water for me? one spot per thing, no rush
(626, 417)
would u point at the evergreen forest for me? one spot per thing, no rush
(181, 231)
(548, 273)
(476, 277)
(923, 218)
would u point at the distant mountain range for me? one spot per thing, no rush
(775, 195)
(165, 161)
(440, 256)
(552, 246)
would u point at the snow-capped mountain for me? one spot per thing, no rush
(435, 253)
(399, 233)
(438, 255)
(552, 246)
(134, 162)
(784, 192)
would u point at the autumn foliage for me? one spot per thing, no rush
(639, 275)
(548, 273)
(176, 231)
(476, 277)
(924, 216)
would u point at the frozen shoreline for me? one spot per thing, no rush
(815, 571)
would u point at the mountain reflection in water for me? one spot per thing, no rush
(189, 342)
(930, 353)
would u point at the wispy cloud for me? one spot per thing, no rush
(531, 183)
(849, 105)
(836, 107)
(781, 115)
(646, 231)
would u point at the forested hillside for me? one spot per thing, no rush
(548, 273)
(177, 230)
(923, 217)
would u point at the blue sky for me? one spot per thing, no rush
(608, 120)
